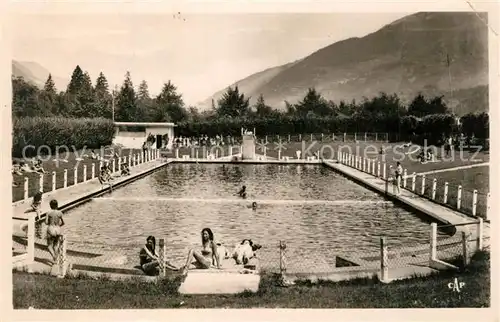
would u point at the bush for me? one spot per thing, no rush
(59, 131)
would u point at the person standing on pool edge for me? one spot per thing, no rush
(54, 221)
(399, 173)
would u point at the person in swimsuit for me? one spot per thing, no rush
(253, 206)
(148, 258)
(54, 221)
(243, 192)
(205, 257)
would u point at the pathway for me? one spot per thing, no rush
(456, 168)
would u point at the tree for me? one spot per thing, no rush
(25, 98)
(233, 104)
(126, 104)
(48, 97)
(421, 107)
(145, 104)
(313, 104)
(261, 109)
(76, 81)
(169, 105)
(102, 97)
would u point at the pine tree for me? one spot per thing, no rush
(313, 104)
(261, 109)
(102, 97)
(48, 97)
(169, 105)
(233, 104)
(145, 104)
(126, 104)
(76, 81)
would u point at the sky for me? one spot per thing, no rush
(200, 53)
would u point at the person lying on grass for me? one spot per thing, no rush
(16, 169)
(149, 259)
(205, 257)
(24, 167)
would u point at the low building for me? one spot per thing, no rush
(134, 134)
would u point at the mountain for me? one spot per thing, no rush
(36, 74)
(405, 57)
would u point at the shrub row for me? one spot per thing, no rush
(433, 127)
(51, 132)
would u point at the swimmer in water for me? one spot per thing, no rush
(243, 192)
(253, 206)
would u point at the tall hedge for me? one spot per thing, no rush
(51, 132)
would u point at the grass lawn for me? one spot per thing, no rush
(45, 292)
(59, 167)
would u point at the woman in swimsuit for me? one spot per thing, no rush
(205, 257)
(148, 258)
(54, 221)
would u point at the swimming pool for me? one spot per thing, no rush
(316, 211)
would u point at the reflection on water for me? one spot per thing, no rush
(316, 211)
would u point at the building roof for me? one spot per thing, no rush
(150, 124)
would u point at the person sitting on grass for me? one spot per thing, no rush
(54, 221)
(105, 174)
(204, 258)
(38, 166)
(125, 169)
(149, 259)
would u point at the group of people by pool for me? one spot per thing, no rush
(204, 258)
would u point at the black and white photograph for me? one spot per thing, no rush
(183, 159)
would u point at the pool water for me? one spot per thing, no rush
(317, 212)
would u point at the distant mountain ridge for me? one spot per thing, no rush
(407, 56)
(36, 74)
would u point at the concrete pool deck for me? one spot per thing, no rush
(410, 261)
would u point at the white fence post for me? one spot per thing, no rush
(413, 181)
(405, 177)
(434, 186)
(474, 202)
(84, 172)
(384, 168)
(162, 257)
(423, 185)
(53, 181)
(26, 188)
(445, 197)
(40, 182)
(378, 169)
(465, 249)
(459, 197)
(75, 175)
(365, 136)
(479, 241)
(488, 204)
(433, 242)
(30, 248)
(63, 259)
(384, 270)
(65, 178)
